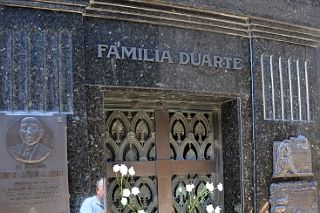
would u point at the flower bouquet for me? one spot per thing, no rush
(129, 195)
(196, 200)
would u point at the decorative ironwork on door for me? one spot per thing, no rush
(169, 148)
(130, 136)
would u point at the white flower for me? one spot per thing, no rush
(217, 209)
(126, 192)
(135, 190)
(210, 186)
(180, 189)
(131, 171)
(141, 211)
(220, 187)
(210, 208)
(123, 170)
(189, 187)
(116, 168)
(124, 201)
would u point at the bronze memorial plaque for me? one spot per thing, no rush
(33, 169)
(292, 158)
(293, 197)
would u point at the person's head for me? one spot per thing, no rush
(101, 189)
(30, 131)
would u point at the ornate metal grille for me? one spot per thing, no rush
(130, 136)
(191, 138)
(168, 148)
(148, 194)
(180, 199)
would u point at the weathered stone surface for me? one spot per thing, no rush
(188, 77)
(292, 158)
(293, 12)
(294, 197)
(269, 130)
(38, 55)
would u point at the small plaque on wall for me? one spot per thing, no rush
(292, 158)
(33, 172)
(294, 197)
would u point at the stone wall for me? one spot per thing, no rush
(49, 63)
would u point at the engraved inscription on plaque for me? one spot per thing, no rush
(33, 175)
(292, 158)
(293, 197)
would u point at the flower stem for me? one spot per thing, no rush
(194, 203)
(131, 208)
(190, 201)
(121, 185)
(117, 177)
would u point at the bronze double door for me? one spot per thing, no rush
(168, 149)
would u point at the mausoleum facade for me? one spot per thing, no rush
(183, 91)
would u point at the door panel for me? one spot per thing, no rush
(168, 148)
(130, 137)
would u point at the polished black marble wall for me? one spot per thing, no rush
(49, 62)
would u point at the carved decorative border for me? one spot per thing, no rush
(286, 32)
(160, 13)
(40, 82)
(168, 15)
(286, 89)
(57, 5)
(198, 19)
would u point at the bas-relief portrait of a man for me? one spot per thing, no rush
(30, 149)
